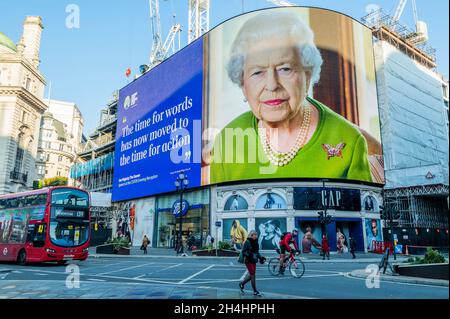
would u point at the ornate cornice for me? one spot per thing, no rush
(26, 96)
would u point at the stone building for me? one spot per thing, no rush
(21, 107)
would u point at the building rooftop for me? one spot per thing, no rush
(7, 42)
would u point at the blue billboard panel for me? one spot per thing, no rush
(159, 127)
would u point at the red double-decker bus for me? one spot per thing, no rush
(50, 224)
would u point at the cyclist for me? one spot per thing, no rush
(286, 240)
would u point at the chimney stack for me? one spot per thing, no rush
(31, 38)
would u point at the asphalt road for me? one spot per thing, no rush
(321, 280)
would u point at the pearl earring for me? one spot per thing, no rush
(245, 100)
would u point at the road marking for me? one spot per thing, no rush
(347, 275)
(212, 281)
(139, 276)
(122, 269)
(9, 287)
(93, 279)
(195, 275)
(41, 274)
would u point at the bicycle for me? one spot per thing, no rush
(296, 265)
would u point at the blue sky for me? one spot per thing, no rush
(86, 65)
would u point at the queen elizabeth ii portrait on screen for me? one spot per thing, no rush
(284, 132)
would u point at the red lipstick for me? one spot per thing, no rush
(275, 102)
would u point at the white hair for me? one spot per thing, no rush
(275, 24)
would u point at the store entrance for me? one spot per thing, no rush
(194, 229)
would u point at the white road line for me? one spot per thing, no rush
(170, 267)
(139, 276)
(93, 279)
(195, 275)
(41, 274)
(122, 269)
(212, 281)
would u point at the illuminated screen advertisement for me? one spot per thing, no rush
(276, 93)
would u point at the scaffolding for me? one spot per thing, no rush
(386, 28)
(420, 207)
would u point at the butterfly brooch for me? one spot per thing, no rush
(334, 151)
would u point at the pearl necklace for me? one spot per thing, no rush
(282, 159)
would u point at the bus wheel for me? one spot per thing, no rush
(22, 258)
(62, 262)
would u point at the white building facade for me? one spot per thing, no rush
(59, 139)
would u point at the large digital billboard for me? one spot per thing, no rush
(275, 93)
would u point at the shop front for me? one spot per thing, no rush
(194, 215)
(276, 208)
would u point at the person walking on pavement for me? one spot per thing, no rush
(352, 247)
(251, 254)
(325, 247)
(145, 243)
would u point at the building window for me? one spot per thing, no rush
(58, 173)
(24, 117)
(61, 147)
(41, 169)
(28, 84)
(445, 91)
(236, 202)
(60, 158)
(270, 201)
(48, 157)
(19, 155)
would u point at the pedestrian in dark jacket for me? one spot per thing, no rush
(145, 243)
(325, 247)
(352, 247)
(251, 254)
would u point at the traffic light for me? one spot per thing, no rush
(396, 214)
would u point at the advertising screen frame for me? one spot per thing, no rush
(205, 39)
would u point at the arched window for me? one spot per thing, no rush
(271, 201)
(370, 204)
(236, 202)
(19, 154)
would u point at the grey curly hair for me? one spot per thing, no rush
(251, 233)
(281, 23)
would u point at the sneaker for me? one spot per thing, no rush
(256, 294)
(241, 286)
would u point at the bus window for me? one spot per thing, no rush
(37, 234)
(70, 197)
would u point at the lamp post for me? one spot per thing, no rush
(324, 218)
(181, 184)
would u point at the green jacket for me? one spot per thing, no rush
(312, 161)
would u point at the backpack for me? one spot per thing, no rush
(284, 235)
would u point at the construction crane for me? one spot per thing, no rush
(198, 18)
(160, 50)
(421, 33)
(282, 3)
(399, 11)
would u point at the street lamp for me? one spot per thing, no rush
(181, 184)
(324, 218)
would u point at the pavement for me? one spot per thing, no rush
(362, 273)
